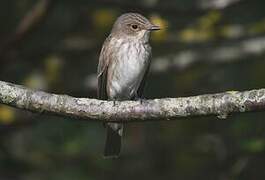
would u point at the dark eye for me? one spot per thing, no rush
(134, 26)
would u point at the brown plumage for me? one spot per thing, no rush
(123, 65)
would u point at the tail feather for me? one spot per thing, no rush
(113, 140)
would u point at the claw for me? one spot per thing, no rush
(114, 102)
(142, 100)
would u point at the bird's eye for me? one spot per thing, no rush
(134, 26)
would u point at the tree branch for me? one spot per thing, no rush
(220, 104)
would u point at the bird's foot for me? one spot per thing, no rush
(141, 100)
(114, 102)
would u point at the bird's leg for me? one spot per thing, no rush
(114, 102)
(138, 98)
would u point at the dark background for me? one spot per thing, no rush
(206, 46)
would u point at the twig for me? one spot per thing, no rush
(220, 104)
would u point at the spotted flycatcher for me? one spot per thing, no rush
(123, 65)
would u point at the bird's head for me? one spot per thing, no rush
(133, 26)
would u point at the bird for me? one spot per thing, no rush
(123, 66)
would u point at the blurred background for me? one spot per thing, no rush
(209, 46)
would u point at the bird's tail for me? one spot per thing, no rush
(113, 140)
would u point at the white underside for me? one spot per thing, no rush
(129, 69)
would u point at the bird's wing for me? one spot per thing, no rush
(143, 82)
(103, 70)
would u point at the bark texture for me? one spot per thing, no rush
(221, 105)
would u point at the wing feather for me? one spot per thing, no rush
(103, 70)
(143, 82)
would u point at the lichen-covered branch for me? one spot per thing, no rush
(220, 104)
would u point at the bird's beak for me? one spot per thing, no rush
(154, 28)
